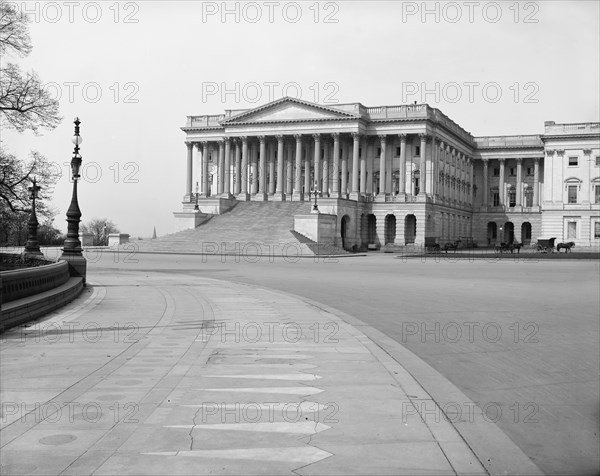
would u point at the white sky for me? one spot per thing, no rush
(546, 68)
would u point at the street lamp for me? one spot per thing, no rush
(315, 192)
(72, 251)
(32, 247)
(197, 193)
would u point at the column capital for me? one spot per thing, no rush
(298, 137)
(244, 139)
(485, 161)
(189, 144)
(335, 135)
(587, 151)
(519, 160)
(355, 135)
(227, 139)
(560, 152)
(316, 136)
(424, 137)
(261, 139)
(537, 160)
(402, 137)
(502, 160)
(198, 145)
(279, 138)
(550, 152)
(382, 137)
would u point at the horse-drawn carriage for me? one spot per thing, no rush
(545, 245)
(512, 247)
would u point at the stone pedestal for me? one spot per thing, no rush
(87, 239)
(259, 197)
(187, 220)
(319, 227)
(297, 197)
(116, 239)
(77, 265)
(278, 197)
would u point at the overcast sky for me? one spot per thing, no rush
(133, 71)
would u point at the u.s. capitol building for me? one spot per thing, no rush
(397, 174)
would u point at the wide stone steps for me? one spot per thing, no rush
(251, 229)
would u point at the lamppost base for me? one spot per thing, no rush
(77, 264)
(32, 253)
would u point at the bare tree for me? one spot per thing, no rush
(100, 228)
(24, 103)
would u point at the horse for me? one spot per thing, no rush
(567, 246)
(451, 246)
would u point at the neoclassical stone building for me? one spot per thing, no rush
(397, 174)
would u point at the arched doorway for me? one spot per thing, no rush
(371, 229)
(492, 232)
(390, 229)
(344, 230)
(509, 232)
(410, 229)
(526, 233)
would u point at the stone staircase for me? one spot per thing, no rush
(250, 229)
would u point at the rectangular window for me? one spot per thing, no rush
(573, 161)
(496, 199)
(571, 230)
(572, 191)
(397, 151)
(598, 161)
(378, 151)
(529, 200)
(596, 193)
(512, 172)
(529, 170)
(512, 198)
(418, 150)
(597, 230)
(496, 172)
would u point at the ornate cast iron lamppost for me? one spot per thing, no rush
(315, 192)
(32, 247)
(197, 194)
(72, 251)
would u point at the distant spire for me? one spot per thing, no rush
(154, 234)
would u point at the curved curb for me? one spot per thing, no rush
(497, 453)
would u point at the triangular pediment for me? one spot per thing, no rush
(288, 110)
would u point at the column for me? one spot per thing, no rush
(519, 183)
(262, 168)
(271, 176)
(189, 179)
(307, 174)
(254, 169)
(289, 174)
(382, 190)
(363, 167)
(238, 166)
(501, 183)
(344, 170)
(422, 165)
(317, 154)
(244, 174)
(279, 194)
(355, 165)
(536, 181)
(336, 165)
(369, 176)
(326, 174)
(297, 195)
(205, 152)
(227, 168)
(485, 193)
(221, 168)
(402, 165)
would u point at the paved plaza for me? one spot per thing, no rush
(367, 365)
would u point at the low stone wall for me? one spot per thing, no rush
(22, 283)
(29, 293)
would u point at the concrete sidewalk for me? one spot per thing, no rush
(146, 375)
